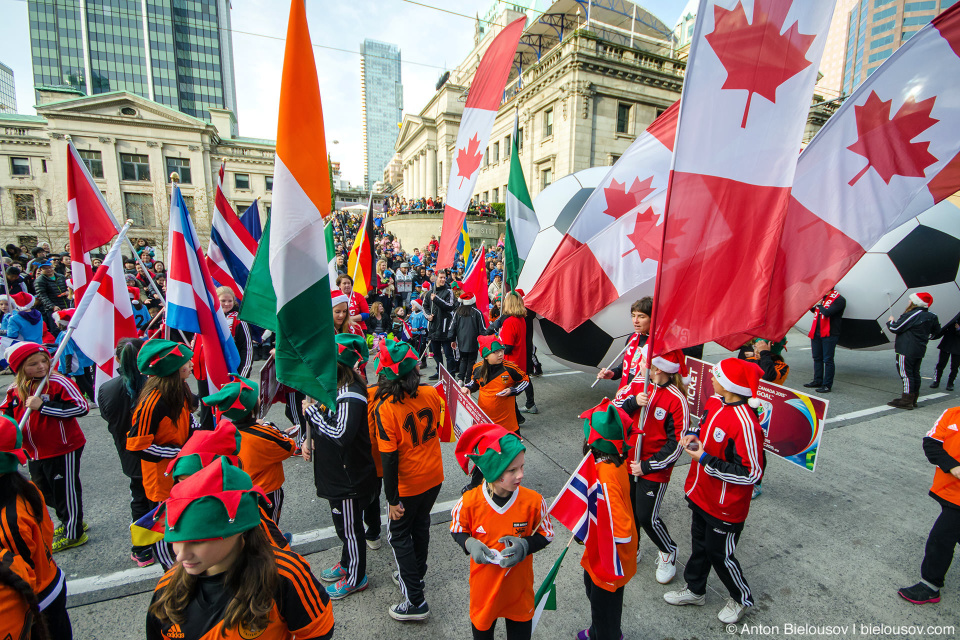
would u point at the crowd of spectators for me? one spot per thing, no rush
(397, 205)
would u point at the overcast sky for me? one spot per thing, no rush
(430, 40)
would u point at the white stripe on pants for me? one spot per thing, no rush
(902, 370)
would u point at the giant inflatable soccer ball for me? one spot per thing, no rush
(594, 343)
(922, 254)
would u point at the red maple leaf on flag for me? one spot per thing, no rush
(646, 236)
(756, 55)
(621, 201)
(885, 141)
(468, 159)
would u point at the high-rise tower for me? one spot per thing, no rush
(382, 108)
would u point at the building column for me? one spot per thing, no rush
(423, 174)
(416, 176)
(431, 171)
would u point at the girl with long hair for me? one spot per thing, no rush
(162, 419)
(239, 329)
(26, 543)
(54, 439)
(408, 416)
(516, 334)
(20, 615)
(229, 581)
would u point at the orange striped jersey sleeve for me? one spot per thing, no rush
(302, 601)
(21, 533)
(263, 448)
(15, 616)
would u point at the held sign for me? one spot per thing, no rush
(462, 411)
(792, 421)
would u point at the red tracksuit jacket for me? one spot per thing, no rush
(54, 430)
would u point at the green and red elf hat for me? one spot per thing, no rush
(490, 447)
(12, 454)
(203, 447)
(352, 349)
(236, 400)
(217, 502)
(605, 428)
(159, 357)
(395, 359)
(489, 344)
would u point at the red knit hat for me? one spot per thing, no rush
(338, 297)
(64, 315)
(19, 352)
(740, 377)
(673, 362)
(922, 299)
(24, 300)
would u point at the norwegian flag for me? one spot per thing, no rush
(613, 245)
(104, 314)
(406, 333)
(746, 97)
(582, 507)
(889, 153)
(192, 303)
(231, 249)
(91, 224)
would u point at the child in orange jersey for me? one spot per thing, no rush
(498, 381)
(26, 531)
(229, 582)
(605, 433)
(504, 517)
(52, 436)
(263, 447)
(20, 615)
(408, 415)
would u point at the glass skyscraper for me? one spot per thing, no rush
(176, 52)
(382, 109)
(8, 92)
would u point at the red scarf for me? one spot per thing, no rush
(818, 316)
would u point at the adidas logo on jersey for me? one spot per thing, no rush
(174, 632)
(480, 529)
(336, 511)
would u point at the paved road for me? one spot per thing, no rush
(827, 549)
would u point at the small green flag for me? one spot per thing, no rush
(522, 223)
(259, 299)
(546, 597)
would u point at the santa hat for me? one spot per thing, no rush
(468, 298)
(673, 362)
(417, 304)
(490, 447)
(24, 300)
(338, 297)
(426, 285)
(134, 293)
(203, 447)
(19, 352)
(922, 299)
(64, 315)
(740, 377)
(520, 292)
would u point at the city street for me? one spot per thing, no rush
(823, 549)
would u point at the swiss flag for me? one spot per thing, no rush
(91, 224)
(747, 92)
(889, 153)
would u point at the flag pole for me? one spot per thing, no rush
(77, 316)
(557, 497)
(6, 288)
(612, 362)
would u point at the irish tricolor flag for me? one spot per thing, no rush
(522, 225)
(295, 272)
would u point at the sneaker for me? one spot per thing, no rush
(333, 574)
(144, 559)
(813, 385)
(585, 635)
(62, 529)
(732, 612)
(684, 597)
(341, 589)
(757, 492)
(920, 593)
(406, 612)
(435, 376)
(374, 544)
(62, 544)
(666, 567)
(531, 410)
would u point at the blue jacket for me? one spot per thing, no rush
(418, 322)
(141, 316)
(26, 326)
(72, 360)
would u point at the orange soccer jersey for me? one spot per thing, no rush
(157, 434)
(496, 592)
(263, 448)
(15, 616)
(500, 410)
(616, 484)
(410, 428)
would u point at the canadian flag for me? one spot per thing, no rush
(889, 153)
(483, 100)
(746, 97)
(91, 224)
(613, 245)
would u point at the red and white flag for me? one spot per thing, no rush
(104, 315)
(746, 97)
(91, 224)
(613, 245)
(483, 100)
(475, 281)
(889, 153)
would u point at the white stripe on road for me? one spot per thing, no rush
(872, 410)
(560, 373)
(129, 576)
